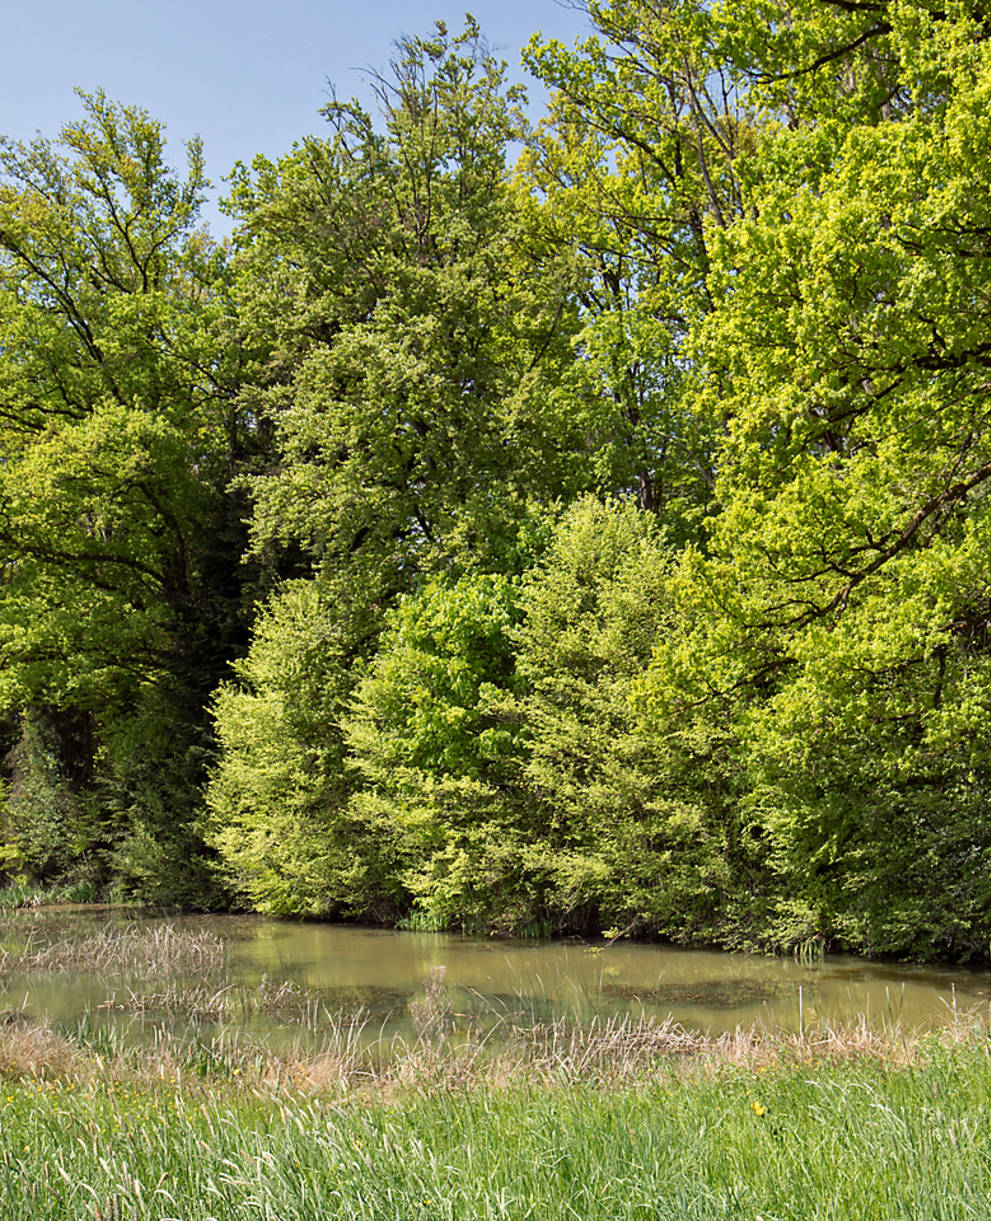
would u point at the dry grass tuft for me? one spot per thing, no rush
(132, 948)
(34, 1051)
(225, 1001)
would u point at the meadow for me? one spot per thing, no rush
(624, 1123)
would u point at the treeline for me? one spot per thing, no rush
(600, 543)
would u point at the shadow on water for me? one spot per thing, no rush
(707, 993)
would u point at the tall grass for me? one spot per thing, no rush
(18, 895)
(857, 1138)
(344, 1053)
(131, 948)
(463, 1116)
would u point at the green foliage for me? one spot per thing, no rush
(412, 346)
(627, 515)
(438, 758)
(149, 778)
(107, 433)
(637, 157)
(636, 828)
(839, 619)
(120, 593)
(50, 827)
(278, 797)
(446, 647)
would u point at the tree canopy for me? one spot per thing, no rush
(575, 525)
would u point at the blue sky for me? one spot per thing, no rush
(248, 77)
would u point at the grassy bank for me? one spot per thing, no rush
(20, 895)
(748, 1128)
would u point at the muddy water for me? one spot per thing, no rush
(381, 972)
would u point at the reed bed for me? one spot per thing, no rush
(225, 1000)
(343, 1053)
(131, 948)
(20, 895)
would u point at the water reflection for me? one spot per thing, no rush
(381, 972)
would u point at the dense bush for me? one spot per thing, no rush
(279, 796)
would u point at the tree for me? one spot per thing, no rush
(405, 389)
(438, 757)
(636, 827)
(120, 599)
(638, 159)
(413, 348)
(839, 618)
(780, 207)
(279, 792)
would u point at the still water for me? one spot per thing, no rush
(381, 973)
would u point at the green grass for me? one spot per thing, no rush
(27, 894)
(854, 1139)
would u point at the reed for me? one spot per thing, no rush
(344, 1053)
(224, 1000)
(130, 948)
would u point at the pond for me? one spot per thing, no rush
(275, 978)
